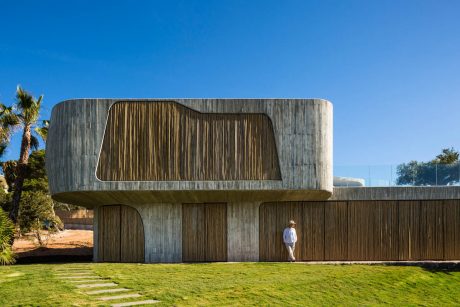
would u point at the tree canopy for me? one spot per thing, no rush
(443, 170)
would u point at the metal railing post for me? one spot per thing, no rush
(436, 173)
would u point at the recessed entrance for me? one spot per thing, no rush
(121, 234)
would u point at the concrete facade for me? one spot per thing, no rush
(163, 232)
(303, 136)
(302, 130)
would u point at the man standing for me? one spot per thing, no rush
(289, 238)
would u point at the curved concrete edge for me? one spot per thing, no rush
(90, 199)
(303, 135)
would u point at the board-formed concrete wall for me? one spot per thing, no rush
(302, 130)
(163, 231)
(243, 230)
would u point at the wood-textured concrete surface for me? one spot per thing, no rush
(163, 232)
(302, 131)
(243, 231)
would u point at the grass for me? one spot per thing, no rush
(239, 284)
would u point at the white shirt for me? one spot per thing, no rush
(289, 235)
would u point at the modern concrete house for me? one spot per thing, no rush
(178, 180)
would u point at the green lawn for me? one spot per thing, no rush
(239, 284)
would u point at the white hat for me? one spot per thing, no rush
(291, 222)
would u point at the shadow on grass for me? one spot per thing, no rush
(434, 267)
(55, 255)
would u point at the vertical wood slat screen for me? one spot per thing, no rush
(204, 232)
(109, 233)
(121, 234)
(363, 230)
(312, 229)
(216, 232)
(132, 236)
(275, 218)
(409, 230)
(335, 231)
(193, 233)
(373, 230)
(158, 141)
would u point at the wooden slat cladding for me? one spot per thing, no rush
(385, 242)
(273, 219)
(216, 232)
(165, 141)
(373, 230)
(409, 230)
(312, 227)
(121, 234)
(109, 233)
(335, 234)
(360, 233)
(452, 230)
(132, 236)
(193, 233)
(363, 230)
(431, 230)
(204, 232)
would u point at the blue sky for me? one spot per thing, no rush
(391, 68)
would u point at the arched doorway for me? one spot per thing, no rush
(120, 234)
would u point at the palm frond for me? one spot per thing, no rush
(2, 108)
(27, 106)
(39, 101)
(23, 99)
(43, 130)
(34, 143)
(3, 146)
(9, 120)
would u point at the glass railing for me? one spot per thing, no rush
(405, 174)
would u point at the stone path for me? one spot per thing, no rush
(116, 297)
(102, 289)
(147, 302)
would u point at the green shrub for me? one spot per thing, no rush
(6, 235)
(5, 200)
(36, 215)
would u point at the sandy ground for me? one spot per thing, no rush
(67, 242)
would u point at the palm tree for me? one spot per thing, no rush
(27, 111)
(8, 120)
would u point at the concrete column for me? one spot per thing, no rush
(162, 232)
(243, 231)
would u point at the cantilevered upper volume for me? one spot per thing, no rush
(103, 151)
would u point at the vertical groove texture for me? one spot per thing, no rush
(163, 141)
(204, 232)
(121, 234)
(363, 230)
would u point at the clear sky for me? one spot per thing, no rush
(391, 68)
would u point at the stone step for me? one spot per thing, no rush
(119, 297)
(88, 280)
(107, 291)
(75, 274)
(81, 277)
(72, 269)
(146, 302)
(109, 284)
